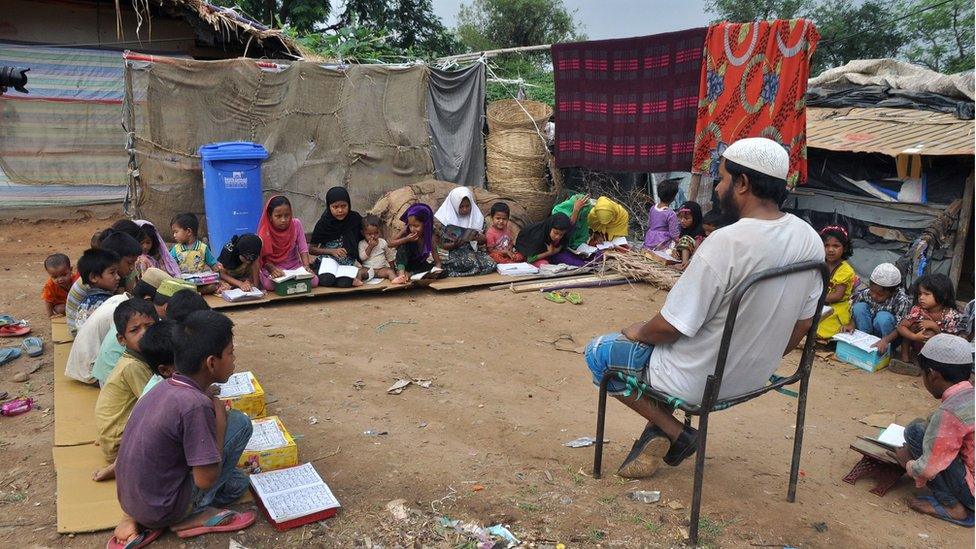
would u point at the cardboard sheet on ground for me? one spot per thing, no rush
(83, 504)
(74, 404)
(59, 331)
(217, 302)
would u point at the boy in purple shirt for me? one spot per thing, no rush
(180, 447)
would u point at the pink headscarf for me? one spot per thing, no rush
(166, 261)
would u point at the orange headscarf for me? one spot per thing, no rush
(276, 245)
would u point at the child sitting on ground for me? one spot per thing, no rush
(543, 239)
(154, 252)
(691, 233)
(711, 222)
(239, 257)
(843, 279)
(416, 247)
(283, 244)
(125, 383)
(171, 472)
(191, 255)
(934, 312)
(662, 221)
(98, 280)
(938, 452)
(374, 252)
(879, 308)
(499, 239)
(128, 248)
(156, 347)
(181, 305)
(60, 279)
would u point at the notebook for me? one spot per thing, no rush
(236, 294)
(293, 274)
(332, 267)
(293, 496)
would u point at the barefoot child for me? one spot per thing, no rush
(191, 255)
(498, 237)
(416, 249)
(934, 313)
(837, 248)
(170, 473)
(374, 252)
(283, 244)
(541, 240)
(879, 308)
(125, 383)
(938, 452)
(60, 279)
(239, 258)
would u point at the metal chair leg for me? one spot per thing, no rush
(601, 413)
(699, 476)
(801, 413)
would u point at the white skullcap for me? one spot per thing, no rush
(948, 349)
(760, 154)
(886, 275)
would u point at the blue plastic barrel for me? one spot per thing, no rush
(231, 189)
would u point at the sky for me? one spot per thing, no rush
(615, 18)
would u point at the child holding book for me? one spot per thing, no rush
(879, 308)
(374, 251)
(498, 237)
(283, 244)
(461, 234)
(934, 313)
(938, 451)
(542, 240)
(416, 249)
(125, 383)
(843, 279)
(176, 474)
(239, 257)
(190, 253)
(60, 279)
(338, 231)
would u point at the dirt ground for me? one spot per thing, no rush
(485, 442)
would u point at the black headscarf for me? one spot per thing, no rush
(696, 229)
(534, 239)
(328, 228)
(245, 244)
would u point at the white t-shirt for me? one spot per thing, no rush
(379, 258)
(88, 340)
(698, 305)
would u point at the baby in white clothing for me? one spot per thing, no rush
(374, 252)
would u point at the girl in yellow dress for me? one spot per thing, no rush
(843, 279)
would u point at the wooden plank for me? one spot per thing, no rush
(694, 187)
(962, 234)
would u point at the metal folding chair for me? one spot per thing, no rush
(713, 386)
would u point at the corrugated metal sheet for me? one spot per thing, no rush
(889, 131)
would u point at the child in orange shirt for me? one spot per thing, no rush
(61, 277)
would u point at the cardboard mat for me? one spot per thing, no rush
(83, 504)
(217, 302)
(59, 331)
(74, 404)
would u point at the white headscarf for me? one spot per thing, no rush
(447, 214)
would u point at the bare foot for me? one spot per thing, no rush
(957, 511)
(402, 279)
(105, 473)
(357, 282)
(126, 531)
(199, 519)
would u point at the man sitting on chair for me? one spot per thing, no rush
(676, 351)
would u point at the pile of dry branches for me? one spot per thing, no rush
(635, 265)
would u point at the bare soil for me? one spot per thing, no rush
(485, 442)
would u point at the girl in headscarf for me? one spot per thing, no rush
(461, 231)
(415, 247)
(577, 209)
(154, 251)
(338, 231)
(283, 244)
(240, 260)
(541, 241)
(608, 219)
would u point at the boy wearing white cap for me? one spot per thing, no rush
(938, 452)
(879, 308)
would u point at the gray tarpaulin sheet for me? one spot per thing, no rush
(455, 113)
(869, 210)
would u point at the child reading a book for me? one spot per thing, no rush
(938, 451)
(498, 237)
(374, 252)
(125, 383)
(98, 280)
(607, 220)
(542, 240)
(934, 313)
(843, 279)
(283, 244)
(662, 221)
(171, 474)
(190, 253)
(60, 279)
(461, 225)
(879, 308)
(416, 250)
(154, 252)
(239, 258)
(337, 232)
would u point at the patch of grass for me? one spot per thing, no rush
(709, 529)
(652, 527)
(578, 479)
(607, 500)
(596, 535)
(13, 497)
(530, 507)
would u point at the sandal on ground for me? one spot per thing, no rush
(904, 368)
(574, 297)
(555, 297)
(15, 330)
(683, 447)
(944, 515)
(220, 523)
(7, 354)
(646, 454)
(7, 319)
(33, 346)
(143, 539)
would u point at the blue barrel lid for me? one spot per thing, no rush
(233, 150)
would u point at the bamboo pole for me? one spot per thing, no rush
(962, 234)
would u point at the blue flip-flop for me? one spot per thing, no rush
(8, 353)
(33, 346)
(944, 515)
(7, 319)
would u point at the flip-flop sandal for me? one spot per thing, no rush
(143, 539)
(14, 330)
(574, 297)
(33, 346)
(7, 319)
(7, 354)
(239, 521)
(555, 297)
(904, 368)
(944, 515)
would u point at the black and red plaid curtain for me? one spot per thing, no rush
(628, 105)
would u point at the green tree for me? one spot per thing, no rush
(493, 24)
(941, 38)
(412, 24)
(744, 11)
(849, 31)
(301, 15)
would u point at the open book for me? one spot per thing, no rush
(294, 496)
(236, 294)
(432, 274)
(517, 269)
(862, 340)
(238, 384)
(265, 435)
(330, 266)
(293, 274)
(585, 249)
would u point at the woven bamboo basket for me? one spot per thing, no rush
(537, 203)
(516, 154)
(508, 114)
(504, 184)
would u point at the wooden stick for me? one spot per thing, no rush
(962, 234)
(544, 284)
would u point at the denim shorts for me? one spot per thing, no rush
(616, 351)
